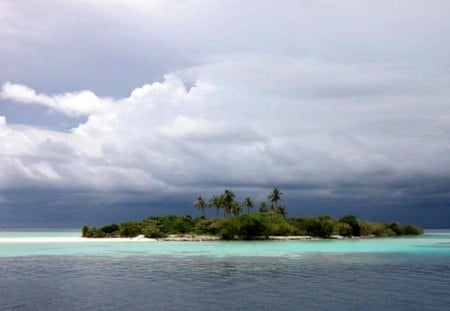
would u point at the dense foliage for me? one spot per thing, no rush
(258, 225)
(271, 220)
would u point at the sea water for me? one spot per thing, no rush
(56, 270)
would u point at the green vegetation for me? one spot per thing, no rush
(200, 204)
(249, 226)
(270, 220)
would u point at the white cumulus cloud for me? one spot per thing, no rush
(255, 123)
(73, 104)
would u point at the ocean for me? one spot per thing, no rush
(56, 270)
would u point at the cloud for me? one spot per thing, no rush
(257, 122)
(110, 47)
(73, 104)
(164, 98)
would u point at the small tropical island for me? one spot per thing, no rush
(236, 221)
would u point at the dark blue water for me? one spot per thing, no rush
(312, 281)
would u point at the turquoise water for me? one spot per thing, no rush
(62, 273)
(431, 243)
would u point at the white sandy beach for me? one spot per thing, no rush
(141, 238)
(199, 238)
(31, 240)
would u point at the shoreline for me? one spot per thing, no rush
(170, 238)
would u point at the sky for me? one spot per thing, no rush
(114, 110)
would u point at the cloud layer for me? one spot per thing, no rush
(266, 121)
(336, 104)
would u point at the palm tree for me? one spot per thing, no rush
(248, 204)
(275, 196)
(200, 204)
(216, 202)
(235, 208)
(228, 195)
(227, 201)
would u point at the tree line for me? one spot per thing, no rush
(270, 220)
(259, 225)
(227, 203)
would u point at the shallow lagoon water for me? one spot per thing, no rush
(13, 244)
(362, 274)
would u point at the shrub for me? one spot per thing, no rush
(152, 231)
(110, 228)
(206, 226)
(319, 226)
(344, 229)
(229, 228)
(299, 226)
(84, 231)
(129, 229)
(380, 229)
(252, 226)
(411, 230)
(353, 223)
(395, 227)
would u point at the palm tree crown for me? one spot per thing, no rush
(228, 201)
(216, 202)
(275, 196)
(200, 204)
(248, 204)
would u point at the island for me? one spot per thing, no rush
(270, 222)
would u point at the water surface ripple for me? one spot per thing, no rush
(387, 274)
